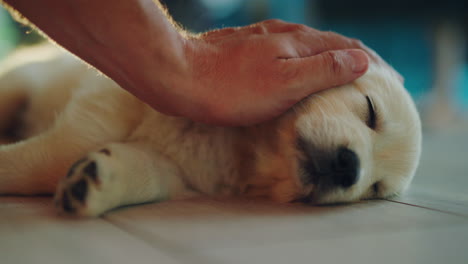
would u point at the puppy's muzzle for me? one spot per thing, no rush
(328, 170)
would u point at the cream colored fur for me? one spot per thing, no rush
(128, 153)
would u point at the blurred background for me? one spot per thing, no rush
(424, 40)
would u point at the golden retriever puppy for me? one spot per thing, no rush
(97, 147)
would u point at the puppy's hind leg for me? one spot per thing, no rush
(92, 119)
(13, 99)
(118, 174)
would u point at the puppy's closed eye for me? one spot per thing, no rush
(372, 117)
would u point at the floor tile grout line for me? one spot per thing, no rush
(429, 208)
(170, 249)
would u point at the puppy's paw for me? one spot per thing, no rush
(87, 189)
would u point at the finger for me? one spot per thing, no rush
(325, 70)
(309, 44)
(304, 44)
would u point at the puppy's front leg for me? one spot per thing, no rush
(118, 174)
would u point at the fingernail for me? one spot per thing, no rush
(356, 59)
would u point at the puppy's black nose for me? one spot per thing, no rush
(328, 169)
(345, 168)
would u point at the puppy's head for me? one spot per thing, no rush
(357, 141)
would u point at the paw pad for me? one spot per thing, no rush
(79, 190)
(74, 190)
(91, 171)
(66, 204)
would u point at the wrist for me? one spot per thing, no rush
(154, 61)
(183, 86)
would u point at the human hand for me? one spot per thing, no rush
(246, 75)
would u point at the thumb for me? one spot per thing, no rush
(329, 69)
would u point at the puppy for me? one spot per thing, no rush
(97, 147)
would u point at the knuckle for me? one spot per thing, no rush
(259, 29)
(280, 26)
(274, 21)
(298, 27)
(336, 37)
(332, 63)
(274, 25)
(333, 37)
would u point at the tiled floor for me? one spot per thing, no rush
(427, 225)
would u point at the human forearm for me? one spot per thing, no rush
(120, 38)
